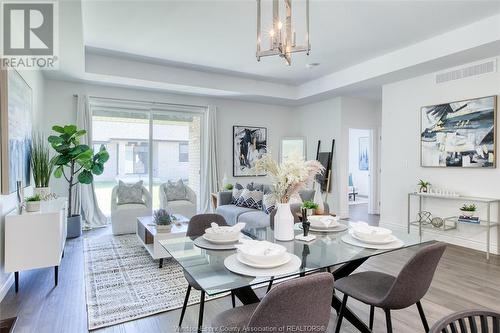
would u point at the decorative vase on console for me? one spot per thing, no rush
(287, 179)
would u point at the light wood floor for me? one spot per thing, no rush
(464, 280)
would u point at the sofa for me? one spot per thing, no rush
(254, 218)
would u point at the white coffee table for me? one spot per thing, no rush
(150, 237)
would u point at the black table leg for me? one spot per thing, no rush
(16, 281)
(56, 275)
(161, 263)
(350, 316)
(246, 295)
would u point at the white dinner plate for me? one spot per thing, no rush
(221, 241)
(337, 228)
(286, 259)
(389, 239)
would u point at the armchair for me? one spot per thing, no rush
(186, 208)
(124, 217)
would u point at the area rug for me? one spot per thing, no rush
(123, 282)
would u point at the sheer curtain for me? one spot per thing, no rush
(209, 166)
(91, 213)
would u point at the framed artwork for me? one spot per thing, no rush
(292, 147)
(16, 110)
(363, 159)
(459, 134)
(249, 145)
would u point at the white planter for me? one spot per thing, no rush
(467, 213)
(283, 223)
(42, 191)
(163, 228)
(310, 212)
(32, 206)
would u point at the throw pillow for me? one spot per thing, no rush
(268, 203)
(237, 189)
(250, 199)
(129, 193)
(176, 191)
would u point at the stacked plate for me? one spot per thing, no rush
(262, 254)
(363, 235)
(223, 234)
(325, 223)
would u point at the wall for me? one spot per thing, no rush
(359, 177)
(60, 106)
(8, 202)
(401, 154)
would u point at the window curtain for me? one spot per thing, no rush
(91, 213)
(210, 165)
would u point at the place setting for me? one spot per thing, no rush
(221, 237)
(262, 258)
(363, 235)
(324, 223)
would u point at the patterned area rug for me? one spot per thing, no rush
(123, 283)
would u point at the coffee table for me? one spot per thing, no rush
(150, 237)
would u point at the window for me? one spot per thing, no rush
(136, 157)
(183, 151)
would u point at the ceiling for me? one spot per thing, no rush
(220, 35)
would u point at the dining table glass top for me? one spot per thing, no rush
(207, 268)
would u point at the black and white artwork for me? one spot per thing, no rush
(459, 134)
(249, 145)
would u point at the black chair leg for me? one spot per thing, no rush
(270, 284)
(388, 320)
(341, 313)
(184, 306)
(372, 313)
(233, 299)
(202, 307)
(422, 316)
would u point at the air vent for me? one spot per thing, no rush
(483, 67)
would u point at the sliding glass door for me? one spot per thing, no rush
(152, 145)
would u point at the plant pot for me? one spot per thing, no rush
(423, 190)
(467, 213)
(32, 206)
(163, 228)
(283, 223)
(74, 226)
(310, 211)
(42, 191)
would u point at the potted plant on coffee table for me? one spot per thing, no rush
(77, 163)
(163, 220)
(33, 203)
(41, 164)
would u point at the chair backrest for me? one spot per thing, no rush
(415, 278)
(198, 223)
(469, 321)
(299, 303)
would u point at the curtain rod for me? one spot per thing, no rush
(142, 101)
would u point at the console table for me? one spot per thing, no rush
(488, 223)
(36, 239)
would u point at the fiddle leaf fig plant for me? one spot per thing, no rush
(77, 162)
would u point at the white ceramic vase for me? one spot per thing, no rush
(318, 199)
(283, 223)
(32, 206)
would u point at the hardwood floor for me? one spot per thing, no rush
(464, 280)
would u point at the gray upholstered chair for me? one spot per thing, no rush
(393, 293)
(300, 303)
(468, 321)
(196, 227)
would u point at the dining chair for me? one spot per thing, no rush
(393, 293)
(468, 321)
(291, 306)
(196, 227)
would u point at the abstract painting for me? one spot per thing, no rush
(459, 134)
(249, 145)
(16, 115)
(363, 160)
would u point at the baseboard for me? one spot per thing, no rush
(443, 237)
(6, 286)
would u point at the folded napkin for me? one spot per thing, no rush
(260, 248)
(235, 228)
(328, 220)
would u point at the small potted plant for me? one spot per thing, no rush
(468, 210)
(228, 187)
(163, 220)
(424, 186)
(310, 207)
(33, 203)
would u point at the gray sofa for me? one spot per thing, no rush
(254, 218)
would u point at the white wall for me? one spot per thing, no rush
(401, 154)
(8, 202)
(60, 109)
(359, 177)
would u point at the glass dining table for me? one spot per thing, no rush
(326, 253)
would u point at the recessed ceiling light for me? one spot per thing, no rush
(312, 64)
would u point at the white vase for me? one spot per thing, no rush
(283, 223)
(318, 199)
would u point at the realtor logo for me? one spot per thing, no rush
(29, 35)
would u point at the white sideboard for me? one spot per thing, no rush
(35, 240)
